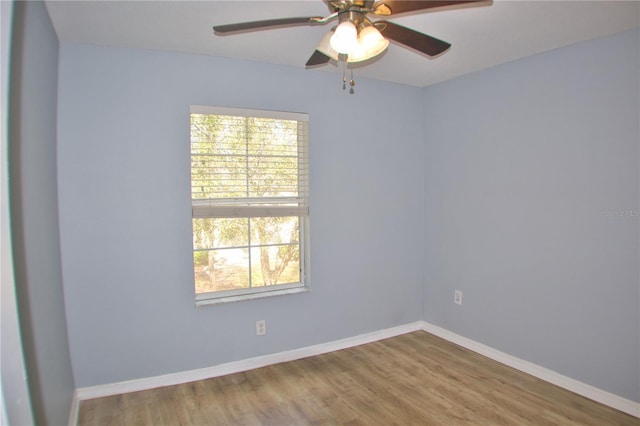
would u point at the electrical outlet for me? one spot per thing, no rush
(457, 297)
(261, 328)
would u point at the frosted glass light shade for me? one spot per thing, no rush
(370, 36)
(345, 39)
(325, 47)
(370, 44)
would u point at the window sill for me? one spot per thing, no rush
(250, 296)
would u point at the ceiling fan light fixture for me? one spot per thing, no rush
(345, 38)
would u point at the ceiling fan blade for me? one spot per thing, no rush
(428, 45)
(394, 7)
(317, 58)
(267, 24)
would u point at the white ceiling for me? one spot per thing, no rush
(481, 36)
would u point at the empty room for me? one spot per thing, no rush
(320, 212)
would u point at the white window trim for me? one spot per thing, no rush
(205, 299)
(238, 208)
(244, 112)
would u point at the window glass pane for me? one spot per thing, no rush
(220, 233)
(274, 230)
(275, 265)
(225, 269)
(275, 254)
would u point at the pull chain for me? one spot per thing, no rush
(352, 83)
(344, 75)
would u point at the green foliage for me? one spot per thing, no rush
(200, 258)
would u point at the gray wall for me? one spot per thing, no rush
(34, 212)
(125, 215)
(16, 404)
(531, 188)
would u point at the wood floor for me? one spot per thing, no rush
(413, 379)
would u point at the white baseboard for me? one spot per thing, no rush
(74, 410)
(240, 366)
(583, 389)
(606, 398)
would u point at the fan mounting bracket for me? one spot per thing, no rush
(357, 17)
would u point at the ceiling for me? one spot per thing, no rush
(481, 37)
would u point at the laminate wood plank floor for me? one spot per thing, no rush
(412, 379)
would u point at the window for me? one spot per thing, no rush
(249, 199)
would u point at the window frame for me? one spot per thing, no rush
(234, 208)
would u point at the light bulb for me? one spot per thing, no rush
(345, 39)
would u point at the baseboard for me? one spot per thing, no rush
(240, 366)
(74, 410)
(580, 388)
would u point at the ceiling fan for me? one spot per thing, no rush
(357, 38)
